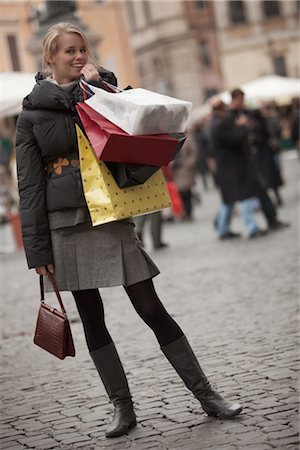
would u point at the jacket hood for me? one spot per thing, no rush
(49, 96)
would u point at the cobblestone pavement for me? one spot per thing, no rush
(236, 302)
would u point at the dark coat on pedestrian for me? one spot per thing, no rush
(45, 133)
(201, 139)
(235, 173)
(262, 151)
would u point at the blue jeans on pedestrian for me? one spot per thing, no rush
(247, 208)
(224, 218)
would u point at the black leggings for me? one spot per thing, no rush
(146, 303)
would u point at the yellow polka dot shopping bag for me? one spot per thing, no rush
(108, 202)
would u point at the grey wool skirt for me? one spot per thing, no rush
(87, 257)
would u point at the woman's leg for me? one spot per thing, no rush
(151, 310)
(91, 311)
(106, 360)
(177, 350)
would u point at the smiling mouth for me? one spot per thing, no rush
(77, 66)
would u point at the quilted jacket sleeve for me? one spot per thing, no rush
(108, 76)
(32, 186)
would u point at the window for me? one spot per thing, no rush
(204, 54)
(131, 14)
(279, 66)
(237, 11)
(200, 4)
(13, 51)
(147, 11)
(271, 8)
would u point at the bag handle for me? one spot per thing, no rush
(53, 282)
(111, 88)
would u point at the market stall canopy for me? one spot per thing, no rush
(14, 86)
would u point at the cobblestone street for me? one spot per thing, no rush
(236, 301)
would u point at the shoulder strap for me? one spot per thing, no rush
(53, 282)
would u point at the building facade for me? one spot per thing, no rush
(20, 40)
(189, 49)
(195, 48)
(175, 47)
(257, 38)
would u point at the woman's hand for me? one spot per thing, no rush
(90, 73)
(44, 270)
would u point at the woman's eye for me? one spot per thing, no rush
(83, 50)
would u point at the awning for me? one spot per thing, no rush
(14, 86)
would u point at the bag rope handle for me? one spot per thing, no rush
(84, 84)
(53, 282)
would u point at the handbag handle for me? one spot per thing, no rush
(53, 282)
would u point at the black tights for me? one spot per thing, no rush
(146, 303)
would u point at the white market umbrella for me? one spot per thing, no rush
(271, 87)
(267, 88)
(14, 86)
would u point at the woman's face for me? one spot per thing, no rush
(70, 58)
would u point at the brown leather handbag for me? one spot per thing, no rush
(53, 332)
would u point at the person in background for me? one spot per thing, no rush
(6, 151)
(59, 237)
(156, 226)
(184, 174)
(234, 175)
(201, 140)
(274, 128)
(237, 112)
(263, 154)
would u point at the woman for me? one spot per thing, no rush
(58, 235)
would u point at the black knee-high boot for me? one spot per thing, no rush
(182, 358)
(109, 366)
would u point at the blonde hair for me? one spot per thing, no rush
(50, 46)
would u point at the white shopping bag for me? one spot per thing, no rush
(139, 111)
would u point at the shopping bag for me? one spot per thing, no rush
(127, 175)
(139, 111)
(106, 201)
(110, 143)
(176, 200)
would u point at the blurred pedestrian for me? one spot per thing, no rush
(263, 154)
(58, 235)
(184, 174)
(274, 128)
(156, 226)
(203, 151)
(239, 114)
(234, 174)
(6, 151)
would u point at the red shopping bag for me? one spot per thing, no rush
(110, 143)
(176, 200)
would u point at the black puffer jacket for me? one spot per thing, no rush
(45, 132)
